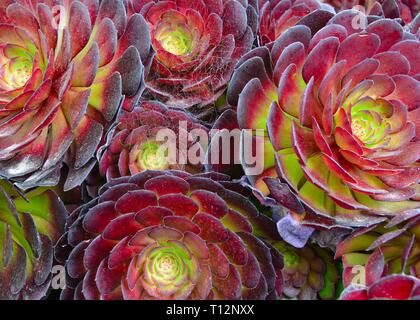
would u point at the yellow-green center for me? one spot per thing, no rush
(152, 156)
(176, 42)
(369, 122)
(14, 73)
(167, 265)
(358, 129)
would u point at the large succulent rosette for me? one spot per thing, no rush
(66, 67)
(29, 227)
(169, 235)
(341, 112)
(154, 137)
(395, 287)
(276, 16)
(197, 44)
(392, 248)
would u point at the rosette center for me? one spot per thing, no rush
(152, 156)
(15, 67)
(177, 42)
(370, 122)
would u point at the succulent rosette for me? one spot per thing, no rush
(66, 68)
(395, 287)
(341, 131)
(170, 235)
(392, 248)
(276, 16)
(197, 44)
(153, 137)
(309, 273)
(30, 225)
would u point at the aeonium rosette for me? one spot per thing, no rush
(153, 137)
(197, 44)
(276, 16)
(170, 235)
(66, 67)
(341, 111)
(309, 273)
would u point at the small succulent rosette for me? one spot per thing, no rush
(276, 16)
(154, 137)
(309, 273)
